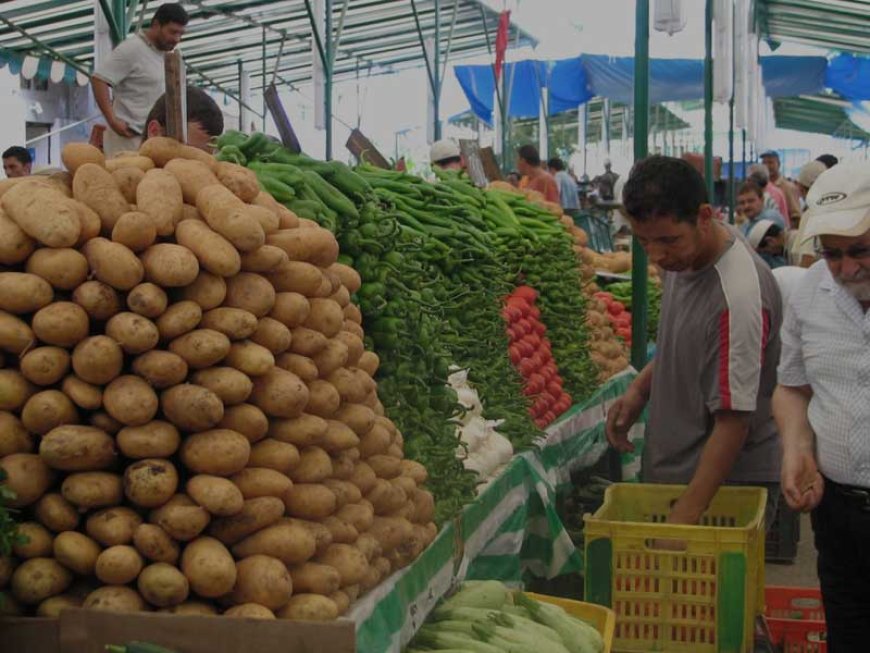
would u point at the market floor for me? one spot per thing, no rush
(802, 573)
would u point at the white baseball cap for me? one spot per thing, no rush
(839, 202)
(443, 149)
(810, 172)
(758, 232)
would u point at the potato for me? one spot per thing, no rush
(307, 342)
(424, 506)
(241, 181)
(99, 300)
(297, 277)
(310, 501)
(250, 358)
(369, 546)
(230, 385)
(209, 567)
(113, 263)
(114, 598)
(61, 323)
(131, 160)
(106, 422)
(135, 230)
(255, 482)
(249, 611)
(290, 309)
(316, 246)
(201, 348)
(323, 399)
(162, 369)
(220, 452)
(22, 292)
(345, 491)
(301, 431)
(349, 277)
(181, 518)
(229, 216)
(235, 323)
(309, 607)
(256, 514)
(290, 543)
(272, 335)
(354, 328)
(163, 585)
(415, 470)
(16, 336)
(45, 365)
(193, 177)
(325, 316)
(77, 449)
(178, 319)
(155, 544)
(188, 608)
(150, 482)
(56, 513)
(96, 188)
(169, 265)
(385, 466)
(84, 395)
(217, 495)
(97, 360)
(279, 393)
(343, 465)
(360, 419)
(76, 552)
(148, 300)
(64, 269)
(214, 252)
(340, 297)
(191, 407)
(263, 259)
(321, 534)
(15, 244)
(339, 437)
(272, 454)
(363, 477)
(156, 439)
(37, 579)
(75, 155)
(135, 334)
(352, 314)
(314, 466)
(208, 290)
(376, 441)
(342, 532)
(43, 213)
(263, 580)
(331, 358)
(128, 179)
(391, 532)
(118, 565)
(113, 526)
(14, 438)
(315, 578)
(351, 386)
(159, 196)
(130, 400)
(35, 541)
(54, 605)
(27, 476)
(252, 292)
(162, 149)
(92, 489)
(248, 420)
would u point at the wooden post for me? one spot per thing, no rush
(176, 97)
(279, 115)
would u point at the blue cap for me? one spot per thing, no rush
(772, 153)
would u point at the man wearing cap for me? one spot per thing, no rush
(768, 240)
(750, 204)
(446, 155)
(803, 251)
(771, 161)
(822, 402)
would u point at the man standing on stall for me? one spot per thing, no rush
(534, 177)
(710, 385)
(135, 72)
(822, 403)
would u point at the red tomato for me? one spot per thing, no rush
(515, 354)
(603, 296)
(539, 327)
(538, 381)
(615, 308)
(554, 386)
(624, 333)
(536, 359)
(549, 417)
(520, 304)
(535, 312)
(527, 367)
(511, 313)
(526, 292)
(534, 340)
(623, 320)
(540, 422)
(526, 348)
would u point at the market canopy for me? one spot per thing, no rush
(820, 114)
(266, 36)
(840, 25)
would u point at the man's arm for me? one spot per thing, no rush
(717, 458)
(625, 410)
(104, 102)
(802, 483)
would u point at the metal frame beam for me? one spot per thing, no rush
(708, 99)
(114, 28)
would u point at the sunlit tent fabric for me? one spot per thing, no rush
(478, 84)
(849, 75)
(670, 80)
(569, 86)
(793, 76)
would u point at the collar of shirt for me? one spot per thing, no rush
(844, 300)
(147, 41)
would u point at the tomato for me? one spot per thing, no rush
(539, 327)
(536, 359)
(554, 387)
(526, 348)
(535, 341)
(623, 320)
(511, 313)
(540, 422)
(528, 390)
(515, 354)
(624, 333)
(527, 367)
(549, 417)
(526, 292)
(520, 304)
(535, 312)
(603, 296)
(615, 308)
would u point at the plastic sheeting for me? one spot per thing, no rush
(793, 76)
(670, 79)
(849, 76)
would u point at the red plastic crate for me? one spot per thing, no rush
(796, 619)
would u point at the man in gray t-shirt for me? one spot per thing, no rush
(710, 384)
(135, 72)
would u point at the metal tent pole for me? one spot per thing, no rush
(263, 65)
(436, 74)
(327, 76)
(744, 154)
(731, 186)
(641, 134)
(708, 98)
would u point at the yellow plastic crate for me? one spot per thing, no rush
(701, 599)
(601, 618)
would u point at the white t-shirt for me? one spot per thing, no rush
(135, 72)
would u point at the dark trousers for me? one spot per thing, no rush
(842, 534)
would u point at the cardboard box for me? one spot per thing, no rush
(88, 631)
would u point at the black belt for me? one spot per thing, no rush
(855, 496)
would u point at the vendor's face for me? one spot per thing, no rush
(750, 205)
(848, 260)
(168, 36)
(14, 168)
(671, 244)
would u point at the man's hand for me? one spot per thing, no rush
(621, 417)
(802, 484)
(121, 128)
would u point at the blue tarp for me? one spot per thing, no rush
(793, 76)
(569, 85)
(849, 76)
(670, 80)
(478, 84)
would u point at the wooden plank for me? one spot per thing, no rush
(282, 122)
(365, 151)
(473, 163)
(490, 164)
(176, 96)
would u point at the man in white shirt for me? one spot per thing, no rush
(822, 403)
(135, 72)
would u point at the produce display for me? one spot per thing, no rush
(487, 617)
(188, 418)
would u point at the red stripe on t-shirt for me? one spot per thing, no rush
(724, 360)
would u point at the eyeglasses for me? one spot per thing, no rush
(855, 252)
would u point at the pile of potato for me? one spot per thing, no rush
(188, 417)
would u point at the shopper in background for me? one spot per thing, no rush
(513, 179)
(750, 204)
(803, 251)
(822, 403)
(17, 162)
(135, 72)
(606, 183)
(771, 161)
(445, 154)
(768, 240)
(534, 177)
(828, 159)
(567, 186)
(773, 196)
(710, 383)
(205, 121)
